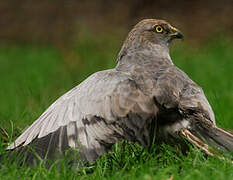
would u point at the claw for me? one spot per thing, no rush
(196, 141)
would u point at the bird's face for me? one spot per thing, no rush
(157, 31)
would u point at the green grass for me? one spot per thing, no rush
(33, 77)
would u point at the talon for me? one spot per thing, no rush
(196, 141)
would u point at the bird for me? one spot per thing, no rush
(145, 97)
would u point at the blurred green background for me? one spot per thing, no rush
(47, 47)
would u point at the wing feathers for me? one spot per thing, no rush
(72, 135)
(87, 117)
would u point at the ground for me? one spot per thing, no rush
(32, 77)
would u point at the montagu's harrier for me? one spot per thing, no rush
(144, 96)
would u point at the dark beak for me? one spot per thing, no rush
(178, 35)
(175, 33)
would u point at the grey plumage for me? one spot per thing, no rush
(144, 89)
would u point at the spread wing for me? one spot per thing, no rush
(105, 108)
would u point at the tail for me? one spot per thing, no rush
(208, 137)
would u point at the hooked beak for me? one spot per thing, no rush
(178, 35)
(175, 33)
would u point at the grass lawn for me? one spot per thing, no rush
(32, 77)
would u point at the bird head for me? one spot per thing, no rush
(150, 34)
(155, 31)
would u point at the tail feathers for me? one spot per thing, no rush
(215, 137)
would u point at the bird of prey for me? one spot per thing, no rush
(143, 97)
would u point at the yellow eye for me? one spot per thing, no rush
(159, 29)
